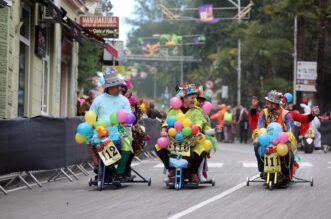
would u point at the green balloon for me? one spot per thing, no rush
(187, 131)
(113, 119)
(103, 123)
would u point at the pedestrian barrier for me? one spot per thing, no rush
(29, 145)
(325, 131)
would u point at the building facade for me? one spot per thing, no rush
(38, 58)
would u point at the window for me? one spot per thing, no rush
(45, 76)
(24, 55)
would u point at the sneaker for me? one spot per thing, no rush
(195, 179)
(263, 175)
(202, 177)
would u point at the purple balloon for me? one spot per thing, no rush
(131, 118)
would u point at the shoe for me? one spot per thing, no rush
(119, 178)
(284, 183)
(202, 177)
(194, 178)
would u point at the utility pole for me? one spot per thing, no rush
(295, 59)
(239, 60)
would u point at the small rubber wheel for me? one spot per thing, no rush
(149, 182)
(90, 182)
(213, 182)
(177, 187)
(247, 181)
(100, 186)
(270, 185)
(311, 181)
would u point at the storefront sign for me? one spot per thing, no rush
(103, 26)
(306, 76)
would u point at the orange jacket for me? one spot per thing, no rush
(220, 116)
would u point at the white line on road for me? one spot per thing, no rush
(249, 164)
(210, 165)
(208, 201)
(305, 164)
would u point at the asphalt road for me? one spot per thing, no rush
(230, 198)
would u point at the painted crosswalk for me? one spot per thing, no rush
(210, 165)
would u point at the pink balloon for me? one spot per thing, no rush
(176, 102)
(283, 137)
(122, 116)
(275, 142)
(162, 142)
(207, 107)
(178, 126)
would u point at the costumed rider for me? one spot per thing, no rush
(187, 92)
(273, 112)
(103, 106)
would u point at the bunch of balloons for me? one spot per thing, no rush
(272, 140)
(91, 123)
(181, 127)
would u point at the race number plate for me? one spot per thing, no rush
(109, 155)
(272, 163)
(179, 149)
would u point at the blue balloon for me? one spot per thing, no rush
(171, 121)
(179, 136)
(102, 80)
(84, 128)
(261, 151)
(264, 140)
(273, 130)
(289, 97)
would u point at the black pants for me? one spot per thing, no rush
(243, 131)
(194, 160)
(128, 164)
(286, 162)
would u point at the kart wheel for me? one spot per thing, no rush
(90, 182)
(100, 186)
(311, 181)
(213, 182)
(247, 181)
(149, 182)
(270, 185)
(177, 187)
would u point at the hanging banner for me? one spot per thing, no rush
(103, 26)
(206, 14)
(306, 76)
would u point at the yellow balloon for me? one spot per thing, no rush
(262, 131)
(282, 149)
(90, 117)
(187, 123)
(80, 139)
(142, 106)
(200, 138)
(207, 145)
(172, 132)
(180, 117)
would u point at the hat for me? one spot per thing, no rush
(133, 100)
(187, 89)
(274, 96)
(201, 94)
(112, 79)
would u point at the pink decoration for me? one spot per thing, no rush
(275, 142)
(178, 126)
(122, 116)
(207, 107)
(176, 102)
(283, 137)
(162, 142)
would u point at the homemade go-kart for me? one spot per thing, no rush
(178, 150)
(109, 155)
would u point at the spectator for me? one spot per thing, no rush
(88, 102)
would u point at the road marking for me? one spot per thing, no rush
(330, 164)
(135, 164)
(305, 164)
(249, 164)
(210, 165)
(208, 201)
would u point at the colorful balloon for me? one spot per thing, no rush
(178, 126)
(176, 102)
(187, 122)
(262, 131)
(172, 132)
(195, 129)
(264, 139)
(283, 137)
(171, 121)
(80, 139)
(207, 145)
(261, 150)
(113, 119)
(121, 116)
(289, 97)
(207, 107)
(102, 123)
(84, 128)
(180, 117)
(90, 117)
(275, 142)
(187, 131)
(162, 142)
(131, 119)
(273, 130)
(282, 149)
(179, 136)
